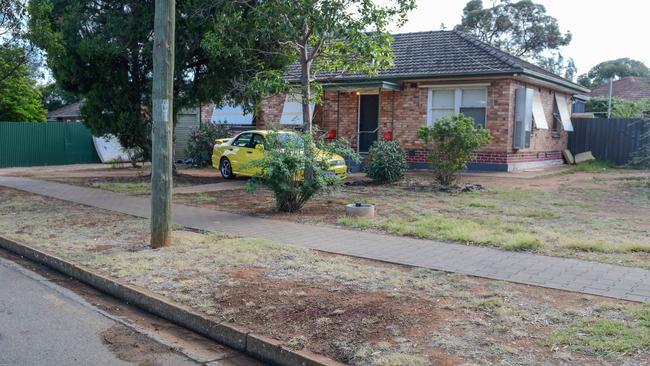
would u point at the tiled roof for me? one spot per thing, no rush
(68, 111)
(444, 53)
(630, 88)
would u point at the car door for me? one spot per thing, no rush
(237, 152)
(253, 154)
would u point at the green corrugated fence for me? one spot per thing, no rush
(51, 143)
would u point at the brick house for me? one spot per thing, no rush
(524, 107)
(68, 113)
(629, 88)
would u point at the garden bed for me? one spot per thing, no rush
(357, 311)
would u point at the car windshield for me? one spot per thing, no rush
(290, 138)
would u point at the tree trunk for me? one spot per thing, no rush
(306, 91)
(306, 112)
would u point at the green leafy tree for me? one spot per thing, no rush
(621, 108)
(453, 142)
(585, 81)
(55, 97)
(521, 28)
(332, 36)
(285, 161)
(20, 99)
(16, 50)
(612, 69)
(556, 64)
(102, 52)
(387, 162)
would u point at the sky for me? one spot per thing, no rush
(602, 30)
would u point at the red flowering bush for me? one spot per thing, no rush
(201, 142)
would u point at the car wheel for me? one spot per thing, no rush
(226, 169)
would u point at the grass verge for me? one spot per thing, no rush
(481, 231)
(595, 166)
(606, 336)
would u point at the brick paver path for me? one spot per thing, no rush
(559, 273)
(213, 187)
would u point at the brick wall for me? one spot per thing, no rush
(419, 156)
(405, 110)
(206, 112)
(339, 111)
(270, 110)
(543, 140)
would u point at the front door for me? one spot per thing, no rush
(368, 121)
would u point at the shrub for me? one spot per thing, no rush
(387, 162)
(201, 142)
(453, 142)
(293, 169)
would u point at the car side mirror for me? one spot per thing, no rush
(259, 147)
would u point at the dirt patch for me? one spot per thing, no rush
(121, 179)
(134, 347)
(122, 183)
(357, 311)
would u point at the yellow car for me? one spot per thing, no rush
(232, 156)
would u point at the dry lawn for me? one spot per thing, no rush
(592, 216)
(359, 312)
(119, 178)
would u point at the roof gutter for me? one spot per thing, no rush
(351, 85)
(556, 80)
(397, 78)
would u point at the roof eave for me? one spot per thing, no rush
(557, 80)
(401, 77)
(379, 84)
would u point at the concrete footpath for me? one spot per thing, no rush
(552, 272)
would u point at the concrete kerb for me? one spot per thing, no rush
(239, 338)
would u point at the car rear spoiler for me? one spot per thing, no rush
(221, 141)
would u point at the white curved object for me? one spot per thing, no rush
(110, 150)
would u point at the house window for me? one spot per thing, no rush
(557, 119)
(442, 104)
(473, 104)
(562, 107)
(539, 117)
(447, 102)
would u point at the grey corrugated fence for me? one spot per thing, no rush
(51, 143)
(614, 140)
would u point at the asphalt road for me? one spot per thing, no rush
(42, 323)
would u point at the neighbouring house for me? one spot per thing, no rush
(632, 88)
(186, 120)
(436, 74)
(68, 113)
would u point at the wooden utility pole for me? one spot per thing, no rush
(163, 123)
